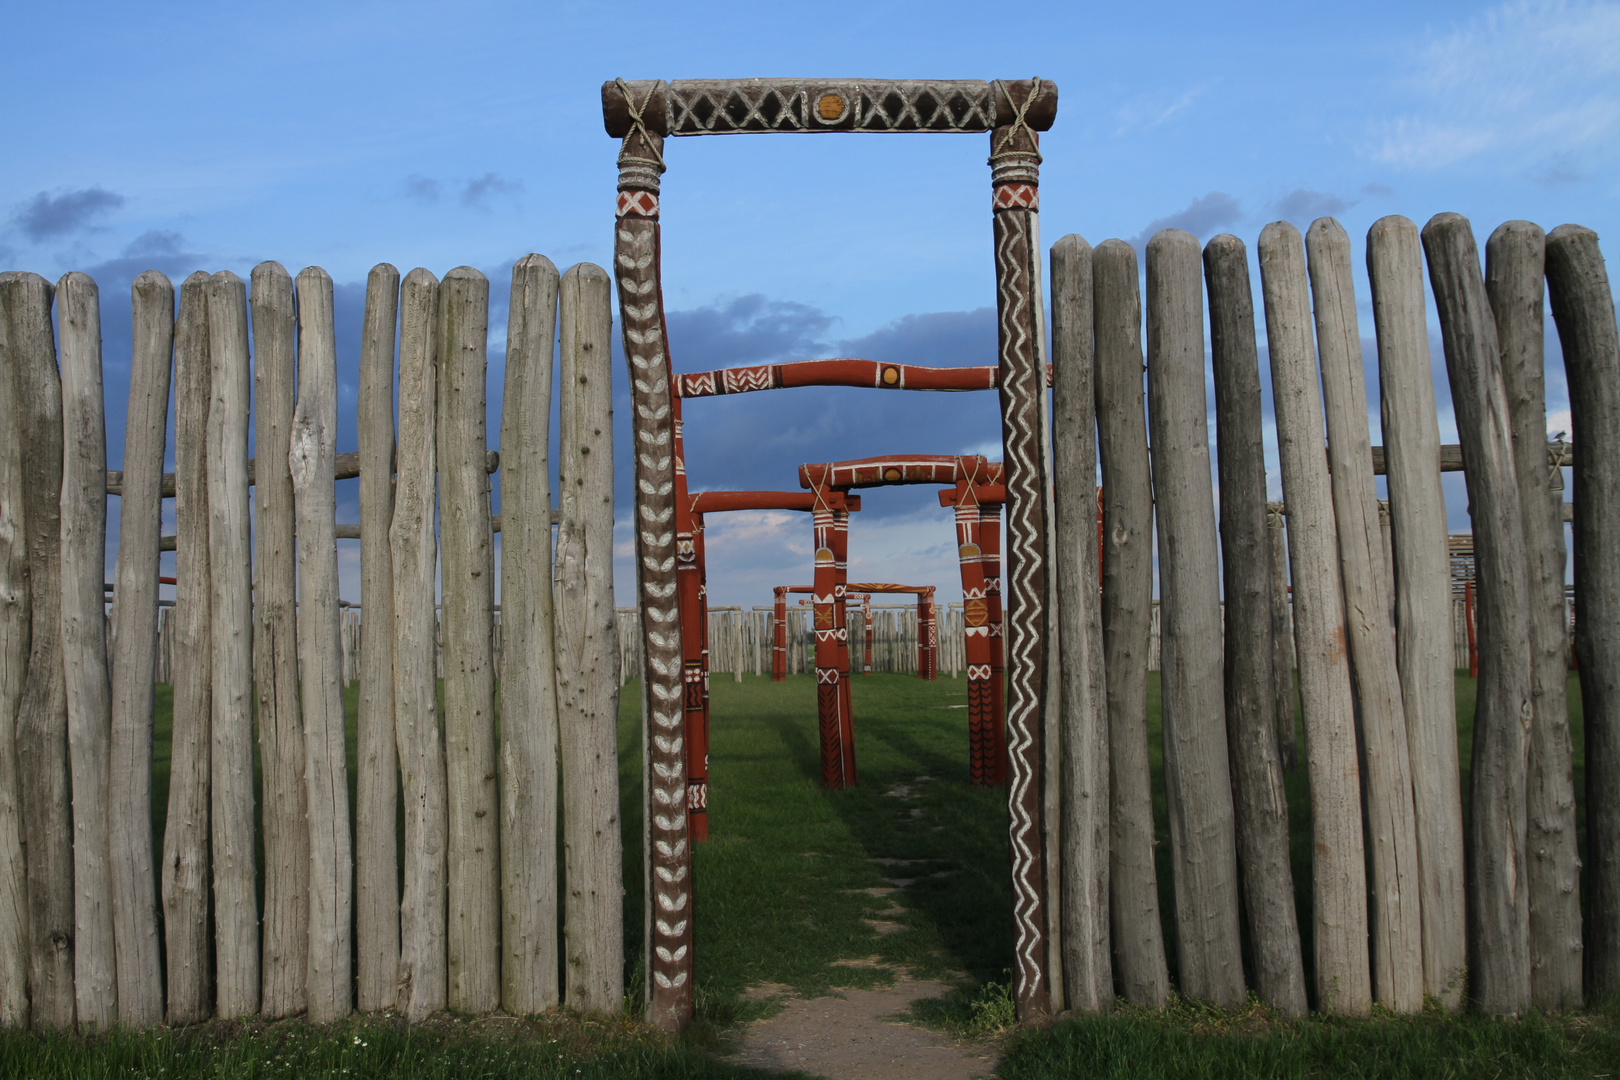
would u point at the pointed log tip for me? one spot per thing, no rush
(421, 277)
(383, 270)
(314, 274)
(224, 277)
(585, 271)
(77, 279)
(269, 269)
(1527, 230)
(533, 261)
(1447, 221)
(1166, 238)
(466, 273)
(1571, 232)
(1073, 242)
(1328, 228)
(1279, 232)
(1391, 225)
(148, 282)
(196, 278)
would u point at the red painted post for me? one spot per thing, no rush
(846, 710)
(834, 773)
(779, 637)
(866, 622)
(976, 640)
(694, 635)
(990, 544)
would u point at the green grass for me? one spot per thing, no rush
(786, 895)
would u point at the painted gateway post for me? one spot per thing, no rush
(642, 114)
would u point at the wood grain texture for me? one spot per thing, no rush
(1260, 805)
(468, 598)
(1088, 976)
(1393, 913)
(14, 619)
(134, 656)
(284, 971)
(1198, 785)
(1282, 639)
(1516, 285)
(331, 857)
(1127, 608)
(412, 544)
(587, 646)
(41, 732)
(1338, 871)
(1583, 308)
(529, 911)
(236, 914)
(376, 858)
(1498, 901)
(1422, 569)
(186, 851)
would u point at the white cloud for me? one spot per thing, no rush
(1534, 78)
(1149, 111)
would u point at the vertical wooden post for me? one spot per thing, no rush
(529, 941)
(1282, 639)
(186, 854)
(636, 266)
(988, 531)
(1127, 605)
(1515, 283)
(1259, 802)
(376, 863)
(1088, 976)
(467, 573)
(285, 968)
(835, 766)
(1583, 307)
(587, 700)
(976, 639)
(846, 709)
(41, 732)
(1424, 638)
(313, 439)
(84, 645)
(779, 636)
(695, 613)
(14, 618)
(1499, 917)
(134, 660)
(1395, 922)
(1338, 869)
(1196, 771)
(411, 543)
(236, 912)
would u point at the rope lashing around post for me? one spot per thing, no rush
(639, 126)
(1000, 150)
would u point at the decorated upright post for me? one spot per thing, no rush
(779, 637)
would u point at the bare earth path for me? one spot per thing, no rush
(862, 1036)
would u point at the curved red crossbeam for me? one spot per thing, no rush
(842, 371)
(719, 502)
(971, 469)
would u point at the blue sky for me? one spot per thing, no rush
(189, 136)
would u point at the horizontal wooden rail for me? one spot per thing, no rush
(347, 467)
(841, 371)
(741, 106)
(898, 470)
(717, 502)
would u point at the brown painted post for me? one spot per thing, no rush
(134, 659)
(779, 636)
(1395, 922)
(1516, 285)
(376, 856)
(1424, 638)
(285, 970)
(1197, 776)
(186, 853)
(411, 543)
(1499, 917)
(529, 910)
(1127, 606)
(587, 697)
(836, 771)
(467, 574)
(1338, 870)
(1259, 802)
(636, 266)
(1088, 976)
(1583, 307)
(236, 912)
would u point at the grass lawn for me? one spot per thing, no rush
(788, 894)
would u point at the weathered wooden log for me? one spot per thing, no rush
(1282, 638)
(1423, 638)
(331, 858)
(468, 576)
(134, 659)
(186, 854)
(1499, 917)
(14, 618)
(376, 861)
(1338, 872)
(1127, 609)
(1196, 769)
(284, 969)
(1393, 913)
(1583, 307)
(1088, 976)
(1516, 285)
(413, 547)
(236, 913)
(587, 642)
(41, 725)
(84, 645)
(529, 923)
(1260, 805)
